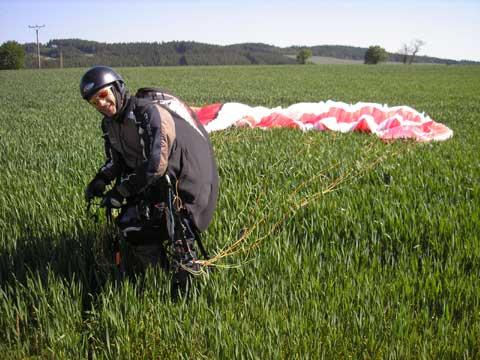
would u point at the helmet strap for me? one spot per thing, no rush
(117, 92)
(122, 97)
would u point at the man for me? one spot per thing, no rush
(162, 162)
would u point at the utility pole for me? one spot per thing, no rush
(36, 27)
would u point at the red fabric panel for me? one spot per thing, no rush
(208, 113)
(362, 126)
(277, 120)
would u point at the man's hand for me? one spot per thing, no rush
(112, 199)
(95, 188)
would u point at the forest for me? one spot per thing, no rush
(84, 53)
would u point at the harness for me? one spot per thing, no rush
(179, 228)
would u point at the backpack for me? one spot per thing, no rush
(175, 106)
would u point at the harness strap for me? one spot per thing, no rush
(115, 241)
(142, 121)
(198, 238)
(179, 222)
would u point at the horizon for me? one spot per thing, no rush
(305, 23)
(198, 42)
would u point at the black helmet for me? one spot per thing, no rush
(96, 78)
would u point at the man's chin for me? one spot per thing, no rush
(108, 113)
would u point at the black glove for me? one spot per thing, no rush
(112, 199)
(95, 188)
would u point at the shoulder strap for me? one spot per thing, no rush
(142, 121)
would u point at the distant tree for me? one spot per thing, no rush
(416, 45)
(409, 51)
(375, 54)
(12, 55)
(303, 56)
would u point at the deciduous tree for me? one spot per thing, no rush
(303, 56)
(375, 54)
(409, 51)
(12, 55)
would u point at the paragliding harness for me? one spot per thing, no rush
(168, 214)
(181, 231)
(137, 217)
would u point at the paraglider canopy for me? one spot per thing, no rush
(399, 122)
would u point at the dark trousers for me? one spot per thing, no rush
(146, 248)
(151, 246)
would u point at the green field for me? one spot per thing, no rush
(386, 265)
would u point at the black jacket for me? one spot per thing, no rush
(142, 144)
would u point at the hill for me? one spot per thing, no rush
(83, 53)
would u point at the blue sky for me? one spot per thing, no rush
(448, 28)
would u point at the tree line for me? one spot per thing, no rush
(84, 53)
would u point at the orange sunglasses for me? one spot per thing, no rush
(102, 94)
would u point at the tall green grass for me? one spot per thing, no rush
(385, 266)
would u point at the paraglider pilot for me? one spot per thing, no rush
(161, 164)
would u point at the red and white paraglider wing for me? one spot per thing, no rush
(386, 122)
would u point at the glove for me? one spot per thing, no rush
(112, 199)
(95, 188)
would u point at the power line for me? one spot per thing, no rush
(36, 27)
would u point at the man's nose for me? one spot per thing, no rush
(101, 102)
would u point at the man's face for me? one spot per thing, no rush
(104, 101)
